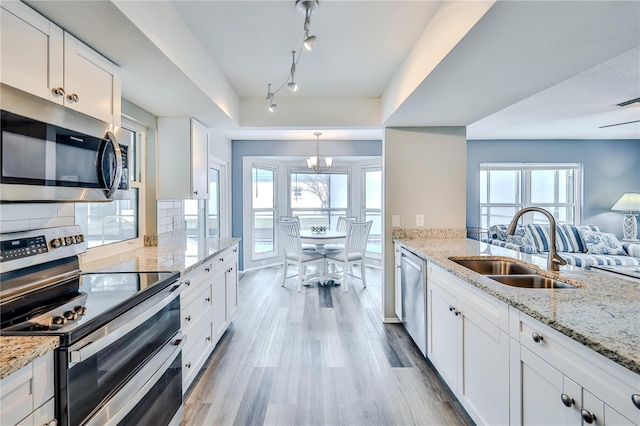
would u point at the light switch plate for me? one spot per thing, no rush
(419, 220)
(395, 220)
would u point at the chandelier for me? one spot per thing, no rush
(313, 163)
(307, 8)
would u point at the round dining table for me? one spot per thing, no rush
(320, 239)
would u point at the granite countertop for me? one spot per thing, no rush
(602, 314)
(16, 352)
(178, 255)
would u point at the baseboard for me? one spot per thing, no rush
(390, 320)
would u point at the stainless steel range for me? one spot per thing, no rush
(119, 360)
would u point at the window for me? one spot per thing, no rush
(263, 214)
(506, 188)
(318, 199)
(119, 220)
(213, 221)
(372, 205)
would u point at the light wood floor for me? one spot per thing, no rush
(319, 357)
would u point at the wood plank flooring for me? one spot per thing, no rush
(319, 357)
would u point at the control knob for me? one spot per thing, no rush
(58, 320)
(70, 315)
(80, 310)
(79, 238)
(68, 240)
(56, 242)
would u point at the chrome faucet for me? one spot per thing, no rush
(554, 260)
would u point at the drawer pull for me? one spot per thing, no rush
(208, 338)
(208, 299)
(635, 398)
(587, 416)
(208, 268)
(567, 400)
(187, 283)
(58, 91)
(73, 97)
(221, 259)
(457, 312)
(188, 318)
(235, 250)
(537, 337)
(53, 422)
(188, 365)
(451, 308)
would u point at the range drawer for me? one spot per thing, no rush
(196, 351)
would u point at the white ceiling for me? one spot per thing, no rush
(522, 70)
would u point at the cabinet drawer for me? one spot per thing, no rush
(196, 309)
(194, 281)
(196, 352)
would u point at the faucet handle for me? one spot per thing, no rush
(558, 259)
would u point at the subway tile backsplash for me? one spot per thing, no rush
(23, 217)
(170, 216)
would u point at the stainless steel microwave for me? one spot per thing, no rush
(42, 162)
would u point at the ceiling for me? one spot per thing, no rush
(507, 70)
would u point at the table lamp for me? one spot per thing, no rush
(628, 205)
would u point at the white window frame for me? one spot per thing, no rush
(525, 189)
(363, 189)
(99, 252)
(275, 252)
(334, 170)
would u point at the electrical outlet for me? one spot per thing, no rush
(395, 220)
(419, 220)
(176, 222)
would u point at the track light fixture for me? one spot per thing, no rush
(307, 8)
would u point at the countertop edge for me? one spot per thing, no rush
(17, 351)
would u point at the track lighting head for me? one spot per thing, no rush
(293, 87)
(272, 105)
(273, 108)
(309, 42)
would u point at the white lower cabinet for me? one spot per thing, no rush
(206, 305)
(574, 385)
(467, 346)
(27, 394)
(506, 367)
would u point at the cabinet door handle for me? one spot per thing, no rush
(195, 192)
(457, 312)
(537, 337)
(187, 283)
(451, 308)
(73, 97)
(567, 400)
(188, 365)
(207, 269)
(587, 416)
(221, 259)
(235, 250)
(635, 398)
(53, 422)
(188, 318)
(208, 299)
(208, 338)
(58, 91)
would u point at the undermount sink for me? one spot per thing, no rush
(510, 273)
(494, 267)
(530, 281)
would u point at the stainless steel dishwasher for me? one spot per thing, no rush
(413, 281)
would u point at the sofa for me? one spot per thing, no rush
(579, 245)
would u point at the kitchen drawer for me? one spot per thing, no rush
(197, 308)
(194, 281)
(44, 415)
(195, 352)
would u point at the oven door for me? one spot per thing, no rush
(93, 370)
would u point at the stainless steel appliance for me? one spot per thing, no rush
(413, 281)
(119, 360)
(43, 162)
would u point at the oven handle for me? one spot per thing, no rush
(121, 326)
(137, 388)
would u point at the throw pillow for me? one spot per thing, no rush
(499, 232)
(523, 241)
(602, 243)
(569, 236)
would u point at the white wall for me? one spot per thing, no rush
(424, 173)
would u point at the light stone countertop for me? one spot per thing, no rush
(603, 314)
(177, 255)
(16, 352)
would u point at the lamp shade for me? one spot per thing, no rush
(628, 202)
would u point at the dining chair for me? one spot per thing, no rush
(341, 226)
(292, 252)
(354, 251)
(310, 247)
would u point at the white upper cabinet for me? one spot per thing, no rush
(38, 57)
(183, 158)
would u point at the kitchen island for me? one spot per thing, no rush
(507, 351)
